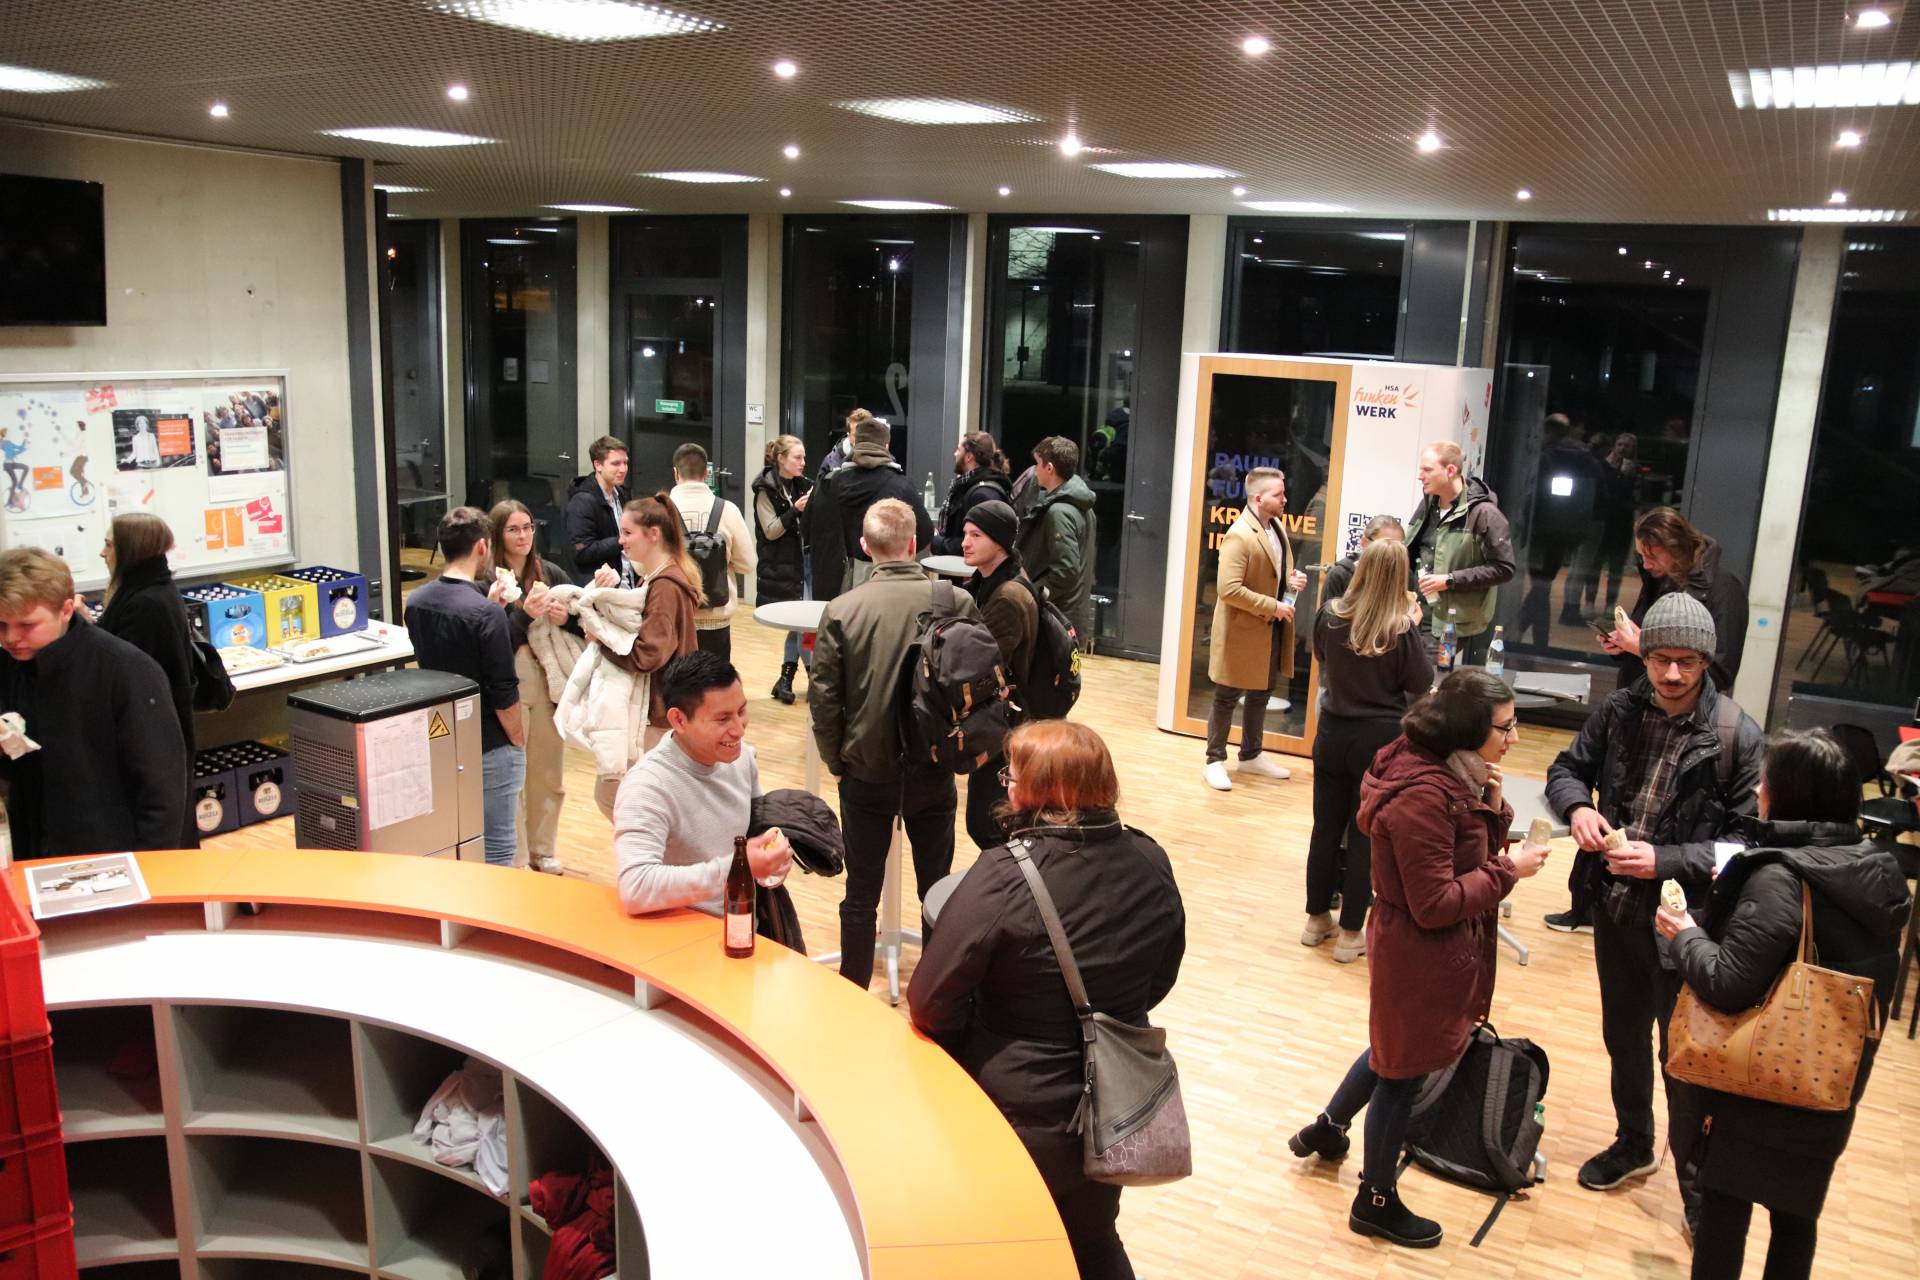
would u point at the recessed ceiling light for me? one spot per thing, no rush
(1856, 84)
(507, 240)
(1006, 191)
(785, 192)
(594, 208)
(1254, 46)
(1159, 169)
(1838, 197)
(1648, 265)
(1848, 138)
(899, 206)
(218, 111)
(1623, 251)
(1871, 19)
(458, 92)
(791, 151)
(934, 111)
(701, 175)
(1682, 280)
(1070, 145)
(394, 189)
(28, 80)
(1383, 235)
(409, 137)
(1294, 206)
(1238, 192)
(1429, 141)
(582, 20)
(785, 69)
(1838, 215)
(1523, 194)
(1666, 275)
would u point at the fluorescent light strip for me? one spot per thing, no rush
(392, 190)
(29, 80)
(594, 208)
(1839, 215)
(1294, 206)
(935, 111)
(701, 175)
(899, 206)
(410, 137)
(1162, 169)
(1854, 84)
(582, 21)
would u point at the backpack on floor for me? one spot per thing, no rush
(957, 703)
(1474, 1122)
(1053, 679)
(709, 552)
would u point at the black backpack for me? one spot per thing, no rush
(212, 686)
(709, 552)
(1475, 1121)
(956, 701)
(1053, 679)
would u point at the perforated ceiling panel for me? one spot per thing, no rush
(1604, 109)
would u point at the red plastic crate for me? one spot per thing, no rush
(23, 1006)
(33, 1179)
(43, 1251)
(28, 1099)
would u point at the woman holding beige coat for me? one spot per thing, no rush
(1252, 640)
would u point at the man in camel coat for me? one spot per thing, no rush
(1252, 642)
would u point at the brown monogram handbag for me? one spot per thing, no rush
(1799, 1047)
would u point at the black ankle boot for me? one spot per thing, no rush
(783, 687)
(1322, 1138)
(1377, 1211)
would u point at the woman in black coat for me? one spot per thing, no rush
(1750, 1152)
(781, 494)
(144, 608)
(989, 990)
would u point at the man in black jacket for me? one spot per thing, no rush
(1676, 763)
(840, 504)
(593, 509)
(982, 472)
(110, 773)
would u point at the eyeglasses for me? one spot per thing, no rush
(1006, 775)
(1687, 666)
(1511, 729)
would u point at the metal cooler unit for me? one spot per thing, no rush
(389, 763)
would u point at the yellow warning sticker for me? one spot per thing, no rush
(437, 727)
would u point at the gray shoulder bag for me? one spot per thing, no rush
(1131, 1118)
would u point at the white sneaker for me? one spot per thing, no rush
(549, 865)
(1261, 767)
(1350, 947)
(1217, 778)
(1319, 929)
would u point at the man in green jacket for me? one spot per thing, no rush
(1460, 549)
(858, 657)
(1057, 541)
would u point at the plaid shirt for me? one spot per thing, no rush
(1655, 774)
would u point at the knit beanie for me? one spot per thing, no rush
(874, 431)
(996, 519)
(1677, 621)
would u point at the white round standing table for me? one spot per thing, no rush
(949, 566)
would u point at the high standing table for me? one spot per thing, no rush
(948, 566)
(1528, 796)
(804, 616)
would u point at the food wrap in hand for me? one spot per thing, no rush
(510, 589)
(13, 736)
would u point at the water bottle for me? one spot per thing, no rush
(1497, 653)
(932, 498)
(1449, 645)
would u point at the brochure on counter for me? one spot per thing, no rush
(89, 884)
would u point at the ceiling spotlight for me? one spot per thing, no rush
(1523, 194)
(1848, 138)
(1647, 265)
(1871, 19)
(1238, 192)
(1259, 240)
(218, 111)
(1006, 191)
(1070, 145)
(1838, 197)
(1623, 251)
(785, 192)
(785, 69)
(409, 137)
(586, 21)
(1682, 280)
(1666, 275)
(458, 92)
(1254, 46)
(1429, 141)
(791, 151)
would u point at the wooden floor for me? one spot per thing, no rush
(1264, 1028)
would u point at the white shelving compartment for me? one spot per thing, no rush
(107, 1072)
(277, 1198)
(122, 1201)
(249, 1070)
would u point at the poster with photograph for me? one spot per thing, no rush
(44, 448)
(153, 439)
(77, 539)
(246, 440)
(90, 884)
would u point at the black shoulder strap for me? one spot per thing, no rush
(714, 513)
(944, 601)
(1726, 726)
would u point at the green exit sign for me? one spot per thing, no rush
(669, 406)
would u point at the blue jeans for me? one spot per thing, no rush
(793, 651)
(503, 771)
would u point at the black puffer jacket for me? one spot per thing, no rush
(1775, 1155)
(989, 991)
(1726, 599)
(1702, 810)
(984, 484)
(782, 571)
(593, 531)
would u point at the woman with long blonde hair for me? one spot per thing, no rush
(1373, 663)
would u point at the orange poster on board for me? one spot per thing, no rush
(226, 529)
(49, 478)
(176, 437)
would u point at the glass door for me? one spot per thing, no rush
(415, 382)
(669, 366)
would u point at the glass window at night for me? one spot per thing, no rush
(1315, 290)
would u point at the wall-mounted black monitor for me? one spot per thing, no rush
(53, 252)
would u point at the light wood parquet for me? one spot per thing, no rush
(1264, 1029)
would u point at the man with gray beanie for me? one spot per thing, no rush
(1011, 610)
(1676, 764)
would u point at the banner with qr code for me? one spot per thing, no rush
(1356, 527)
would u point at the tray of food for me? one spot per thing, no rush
(339, 646)
(239, 659)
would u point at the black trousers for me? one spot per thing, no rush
(1253, 720)
(1720, 1241)
(718, 641)
(1342, 753)
(983, 793)
(1088, 1210)
(924, 798)
(1389, 1105)
(1636, 1000)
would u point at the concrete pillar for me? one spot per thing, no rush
(1206, 281)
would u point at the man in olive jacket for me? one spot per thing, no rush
(1461, 550)
(1252, 637)
(859, 657)
(1057, 537)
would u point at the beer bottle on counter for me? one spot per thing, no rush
(738, 930)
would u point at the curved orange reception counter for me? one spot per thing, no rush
(760, 1115)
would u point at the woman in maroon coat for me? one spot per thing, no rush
(1431, 804)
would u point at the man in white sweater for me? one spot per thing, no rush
(679, 809)
(721, 545)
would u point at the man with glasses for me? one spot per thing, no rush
(1676, 764)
